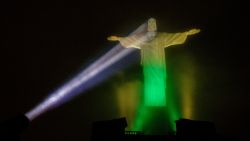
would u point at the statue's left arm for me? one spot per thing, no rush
(170, 39)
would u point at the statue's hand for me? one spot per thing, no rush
(114, 38)
(193, 31)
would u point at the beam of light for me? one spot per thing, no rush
(187, 86)
(181, 88)
(128, 96)
(82, 81)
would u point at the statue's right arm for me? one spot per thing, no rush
(127, 42)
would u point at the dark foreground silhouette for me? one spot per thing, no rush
(11, 129)
(187, 130)
(114, 130)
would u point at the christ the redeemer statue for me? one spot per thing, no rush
(152, 45)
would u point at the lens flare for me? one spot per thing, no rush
(82, 81)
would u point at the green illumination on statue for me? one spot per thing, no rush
(152, 45)
(155, 83)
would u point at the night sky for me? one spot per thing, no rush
(44, 43)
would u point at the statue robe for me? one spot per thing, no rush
(153, 60)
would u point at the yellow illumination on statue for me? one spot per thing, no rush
(152, 45)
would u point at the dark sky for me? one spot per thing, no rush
(44, 42)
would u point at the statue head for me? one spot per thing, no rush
(152, 25)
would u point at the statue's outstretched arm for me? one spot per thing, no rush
(170, 39)
(114, 38)
(127, 42)
(193, 31)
